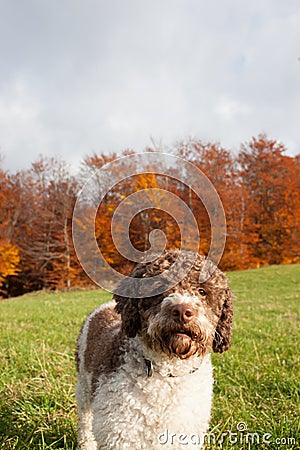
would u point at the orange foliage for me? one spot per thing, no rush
(9, 260)
(259, 189)
(271, 182)
(9, 254)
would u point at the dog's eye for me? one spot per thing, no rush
(202, 292)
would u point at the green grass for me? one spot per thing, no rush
(256, 381)
(37, 343)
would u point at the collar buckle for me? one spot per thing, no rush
(149, 366)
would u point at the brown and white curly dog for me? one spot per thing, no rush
(144, 369)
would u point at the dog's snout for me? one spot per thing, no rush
(182, 312)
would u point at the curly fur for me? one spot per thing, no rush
(171, 335)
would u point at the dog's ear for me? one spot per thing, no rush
(223, 333)
(127, 297)
(128, 308)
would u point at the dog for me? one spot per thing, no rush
(144, 367)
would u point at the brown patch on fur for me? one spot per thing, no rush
(129, 310)
(223, 333)
(77, 358)
(105, 344)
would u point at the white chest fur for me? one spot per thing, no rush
(134, 411)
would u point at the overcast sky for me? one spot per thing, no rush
(105, 75)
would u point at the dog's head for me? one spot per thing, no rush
(188, 319)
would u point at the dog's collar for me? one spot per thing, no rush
(149, 366)
(150, 370)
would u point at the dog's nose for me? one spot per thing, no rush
(182, 312)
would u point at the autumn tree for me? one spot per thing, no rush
(9, 254)
(217, 164)
(270, 180)
(40, 208)
(54, 191)
(154, 190)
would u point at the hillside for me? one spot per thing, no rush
(256, 381)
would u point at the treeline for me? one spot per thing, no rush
(259, 189)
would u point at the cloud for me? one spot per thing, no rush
(78, 77)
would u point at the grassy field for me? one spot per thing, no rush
(257, 381)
